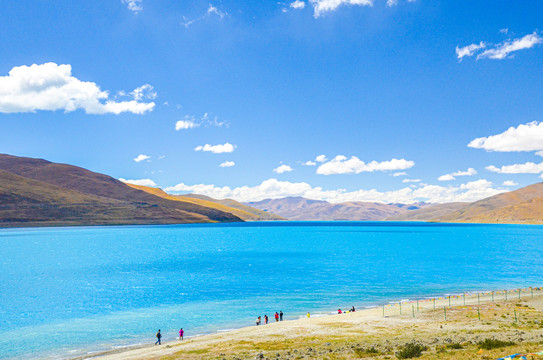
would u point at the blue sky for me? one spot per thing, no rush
(380, 88)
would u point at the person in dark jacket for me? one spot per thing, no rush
(158, 336)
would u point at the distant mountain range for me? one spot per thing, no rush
(522, 206)
(299, 208)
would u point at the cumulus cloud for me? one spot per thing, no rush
(216, 149)
(297, 4)
(282, 169)
(145, 91)
(142, 182)
(499, 51)
(401, 173)
(469, 50)
(52, 87)
(526, 168)
(309, 163)
(322, 6)
(133, 5)
(273, 189)
(141, 157)
(227, 164)
(509, 183)
(449, 177)
(321, 158)
(525, 137)
(187, 123)
(341, 165)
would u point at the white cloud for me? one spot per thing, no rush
(469, 50)
(321, 158)
(211, 10)
(141, 157)
(187, 123)
(526, 168)
(309, 163)
(401, 173)
(216, 149)
(227, 164)
(539, 153)
(391, 3)
(449, 177)
(133, 5)
(341, 165)
(273, 189)
(145, 91)
(282, 169)
(322, 6)
(142, 182)
(297, 4)
(509, 183)
(501, 51)
(52, 87)
(525, 137)
(411, 180)
(504, 30)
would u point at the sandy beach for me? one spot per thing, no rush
(446, 328)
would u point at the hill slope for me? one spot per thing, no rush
(39, 192)
(244, 212)
(298, 208)
(428, 213)
(524, 205)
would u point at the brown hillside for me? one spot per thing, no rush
(91, 183)
(429, 212)
(519, 206)
(27, 202)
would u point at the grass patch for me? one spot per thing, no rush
(454, 346)
(363, 352)
(410, 350)
(491, 343)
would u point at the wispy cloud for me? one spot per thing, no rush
(297, 4)
(216, 149)
(411, 181)
(207, 120)
(141, 157)
(322, 6)
(188, 123)
(273, 188)
(133, 5)
(525, 137)
(282, 169)
(211, 10)
(309, 163)
(452, 176)
(499, 51)
(509, 183)
(401, 173)
(342, 165)
(52, 87)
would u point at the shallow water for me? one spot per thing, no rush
(67, 291)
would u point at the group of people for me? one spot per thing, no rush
(159, 336)
(339, 311)
(278, 317)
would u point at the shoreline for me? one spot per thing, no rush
(404, 311)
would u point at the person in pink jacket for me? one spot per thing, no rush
(181, 333)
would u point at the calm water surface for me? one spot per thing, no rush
(67, 291)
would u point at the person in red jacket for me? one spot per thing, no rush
(276, 317)
(181, 333)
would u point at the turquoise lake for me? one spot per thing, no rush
(66, 292)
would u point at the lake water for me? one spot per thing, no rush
(68, 291)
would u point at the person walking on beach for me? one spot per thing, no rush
(181, 333)
(265, 319)
(258, 321)
(276, 317)
(308, 314)
(158, 336)
(281, 315)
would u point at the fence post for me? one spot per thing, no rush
(519, 294)
(492, 295)
(400, 307)
(445, 312)
(413, 309)
(532, 290)
(449, 301)
(515, 311)
(478, 299)
(464, 299)
(505, 295)
(417, 306)
(434, 303)
(478, 313)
